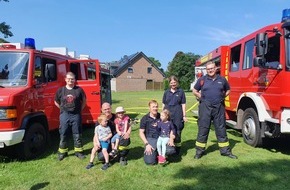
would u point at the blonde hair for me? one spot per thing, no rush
(102, 117)
(70, 74)
(152, 102)
(166, 112)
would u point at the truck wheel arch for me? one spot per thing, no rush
(35, 138)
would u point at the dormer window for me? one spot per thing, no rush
(130, 70)
(149, 70)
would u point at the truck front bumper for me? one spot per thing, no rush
(10, 138)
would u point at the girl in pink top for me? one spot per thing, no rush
(122, 125)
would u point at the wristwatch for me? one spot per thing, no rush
(146, 144)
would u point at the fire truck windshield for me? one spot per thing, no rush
(13, 69)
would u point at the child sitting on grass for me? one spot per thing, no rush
(101, 140)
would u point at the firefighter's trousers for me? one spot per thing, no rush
(216, 113)
(70, 123)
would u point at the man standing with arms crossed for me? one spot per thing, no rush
(211, 91)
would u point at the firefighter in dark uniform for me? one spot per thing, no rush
(211, 91)
(174, 100)
(71, 100)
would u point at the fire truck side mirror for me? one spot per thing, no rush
(259, 61)
(261, 44)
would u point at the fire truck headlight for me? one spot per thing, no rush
(8, 114)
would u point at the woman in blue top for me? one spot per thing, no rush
(174, 100)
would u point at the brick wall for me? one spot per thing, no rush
(136, 81)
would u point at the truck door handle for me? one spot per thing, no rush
(95, 93)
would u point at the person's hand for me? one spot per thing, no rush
(126, 135)
(148, 149)
(98, 146)
(171, 142)
(184, 119)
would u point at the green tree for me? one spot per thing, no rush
(182, 66)
(4, 28)
(156, 62)
(3, 41)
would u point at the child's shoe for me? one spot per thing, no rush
(90, 165)
(113, 153)
(161, 159)
(105, 166)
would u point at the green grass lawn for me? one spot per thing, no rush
(256, 168)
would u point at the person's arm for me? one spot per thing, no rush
(84, 99)
(171, 139)
(96, 139)
(126, 125)
(227, 88)
(57, 104)
(128, 132)
(96, 142)
(84, 102)
(163, 100)
(184, 112)
(142, 136)
(109, 136)
(196, 93)
(117, 128)
(227, 93)
(183, 105)
(57, 99)
(148, 147)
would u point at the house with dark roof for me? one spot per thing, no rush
(136, 73)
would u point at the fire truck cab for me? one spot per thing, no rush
(29, 79)
(257, 68)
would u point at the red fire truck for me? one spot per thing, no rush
(29, 79)
(257, 68)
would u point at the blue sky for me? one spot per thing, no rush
(109, 29)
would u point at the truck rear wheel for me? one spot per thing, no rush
(34, 142)
(251, 128)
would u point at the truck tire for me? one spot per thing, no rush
(251, 129)
(34, 142)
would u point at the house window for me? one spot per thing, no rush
(149, 70)
(130, 70)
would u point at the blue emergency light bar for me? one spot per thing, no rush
(286, 15)
(29, 43)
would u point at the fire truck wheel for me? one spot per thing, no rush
(251, 128)
(34, 142)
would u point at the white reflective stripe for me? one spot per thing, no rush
(260, 104)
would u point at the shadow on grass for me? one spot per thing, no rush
(116, 102)
(275, 145)
(8, 154)
(39, 186)
(272, 174)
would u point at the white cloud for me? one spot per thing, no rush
(223, 36)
